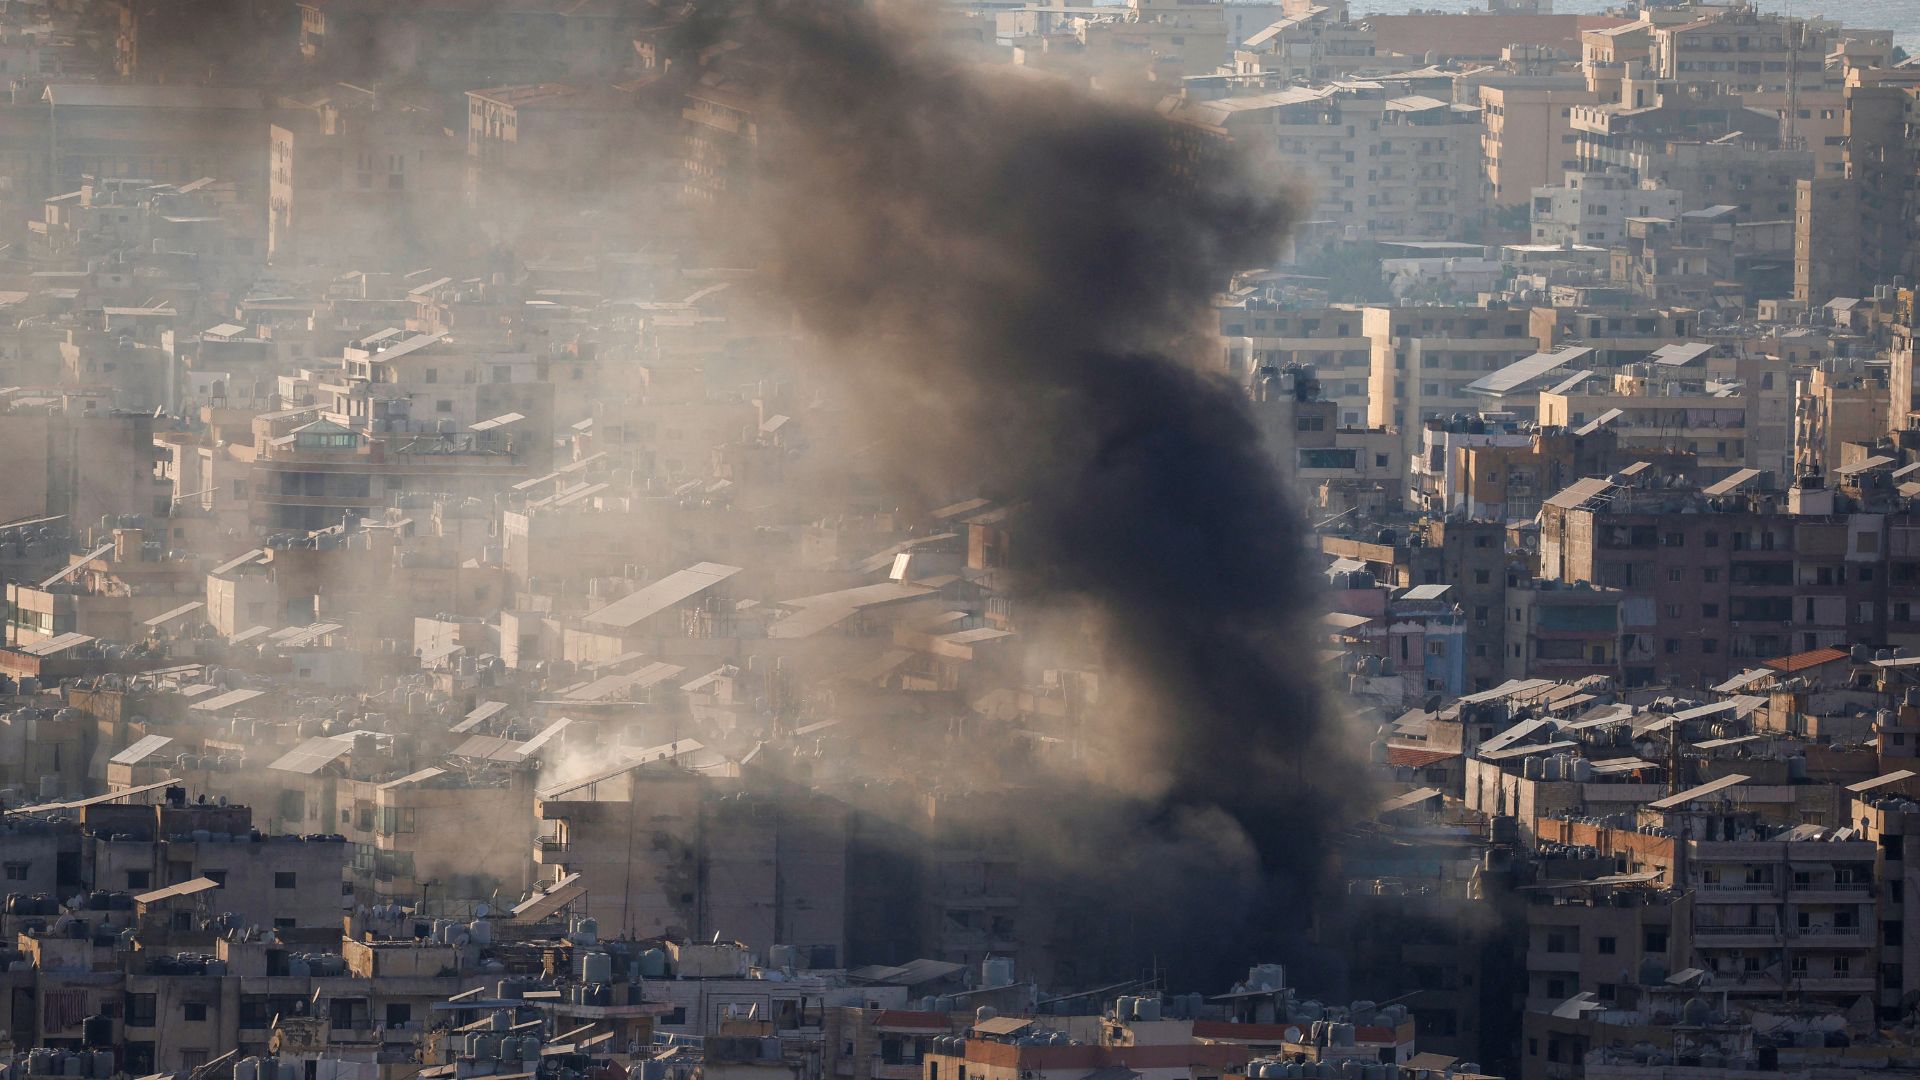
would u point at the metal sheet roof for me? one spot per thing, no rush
(1581, 492)
(1732, 483)
(425, 774)
(1680, 354)
(481, 713)
(308, 758)
(677, 587)
(1743, 680)
(74, 567)
(1881, 781)
(1599, 422)
(140, 751)
(1875, 462)
(227, 700)
(564, 892)
(183, 609)
(1525, 370)
(1426, 592)
(54, 646)
(1674, 802)
(185, 888)
(1411, 798)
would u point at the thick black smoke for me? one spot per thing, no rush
(1010, 275)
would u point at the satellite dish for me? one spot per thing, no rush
(481, 911)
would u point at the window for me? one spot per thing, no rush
(194, 1012)
(1481, 577)
(284, 879)
(1675, 573)
(399, 1013)
(1709, 611)
(443, 405)
(139, 879)
(218, 877)
(140, 1010)
(1655, 941)
(1606, 945)
(17, 871)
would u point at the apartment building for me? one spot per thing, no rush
(1593, 208)
(1726, 422)
(353, 172)
(1378, 166)
(1331, 341)
(1425, 357)
(1529, 137)
(1744, 578)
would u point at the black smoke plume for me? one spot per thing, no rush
(1009, 275)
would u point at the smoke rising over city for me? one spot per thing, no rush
(1008, 277)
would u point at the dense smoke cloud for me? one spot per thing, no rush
(1008, 275)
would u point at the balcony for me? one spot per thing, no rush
(1832, 937)
(1735, 937)
(1834, 984)
(1736, 892)
(548, 851)
(1832, 892)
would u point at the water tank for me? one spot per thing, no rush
(501, 1020)
(589, 931)
(287, 1070)
(246, 1069)
(1147, 1008)
(996, 971)
(1582, 770)
(1797, 767)
(1550, 767)
(1532, 769)
(510, 1048)
(653, 964)
(1343, 1035)
(103, 1065)
(530, 1048)
(480, 932)
(596, 967)
(984, 1013)
(488, 1045)
(784, 957)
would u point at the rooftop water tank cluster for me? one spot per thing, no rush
(76, 1064)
